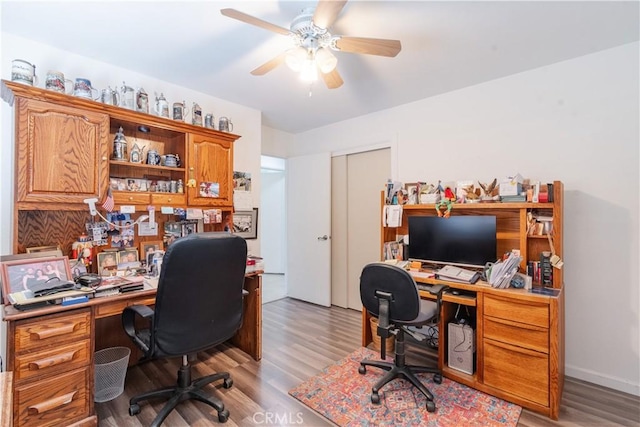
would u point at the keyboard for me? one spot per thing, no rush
(457, 274)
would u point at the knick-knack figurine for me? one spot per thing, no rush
(136, 153)
(120, 146)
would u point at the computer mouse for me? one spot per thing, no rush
(455, 292)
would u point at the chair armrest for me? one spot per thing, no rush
(129, 323)
(438, 290)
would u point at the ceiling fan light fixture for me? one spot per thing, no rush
(326, 60)
(295, 57)
(309, 71)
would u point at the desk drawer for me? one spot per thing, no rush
(52, 330)
(131, 198)
(515, 370)
(53, 361)
(116, 307)
(520, 334)
(60, 400)
(172, 199)
(518, 311)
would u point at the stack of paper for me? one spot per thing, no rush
(501, 273)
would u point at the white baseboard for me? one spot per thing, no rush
(615, 383)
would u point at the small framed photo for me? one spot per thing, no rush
(245, 223)
(127, 256)
(150, 247)
(413, 196)
(29, 274)
(107, 263)
(36, 249)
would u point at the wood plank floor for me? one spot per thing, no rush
(299, 340)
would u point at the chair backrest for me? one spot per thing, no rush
(199, 298)
(405, 303)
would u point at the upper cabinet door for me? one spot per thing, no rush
(61, 155)
(210, 164)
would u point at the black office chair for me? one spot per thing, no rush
(390, 294)
(198, 306)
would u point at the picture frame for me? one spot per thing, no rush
(413, 193)
(107, 263)
(24, 274)
(35, 249)
(127, 256)
(245, 223)
(150, 246)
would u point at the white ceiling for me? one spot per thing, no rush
(446, 45)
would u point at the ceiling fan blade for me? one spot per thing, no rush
(241, 16)
(381, 47)
(332, 79)
(326, 12)
(269, 65)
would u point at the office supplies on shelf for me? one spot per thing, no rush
(421, 275)
(457, 274)
(75, 300)
(499, 275)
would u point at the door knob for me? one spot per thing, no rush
(325, 237)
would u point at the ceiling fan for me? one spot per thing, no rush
(313, 43)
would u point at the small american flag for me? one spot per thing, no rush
(108, 203)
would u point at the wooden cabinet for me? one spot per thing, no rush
(61, 155)
(64, 155)
(210, 163)
(51, 357)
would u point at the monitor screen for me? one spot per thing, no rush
(465, 240)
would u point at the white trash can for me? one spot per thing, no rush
(110, 372)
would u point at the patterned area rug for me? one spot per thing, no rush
(342, 395)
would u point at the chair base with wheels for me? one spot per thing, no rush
(184, 390)
(399, 369)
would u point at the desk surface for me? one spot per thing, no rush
(12, 314)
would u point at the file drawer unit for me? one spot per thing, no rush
(51, 357)
(520, 360)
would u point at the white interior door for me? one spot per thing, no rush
(308, 270)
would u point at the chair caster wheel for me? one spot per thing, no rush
(227, 383)
(362, 370)
(431, 407)
(134, 409)
(437, 378)
(375, 398)
(223, 416)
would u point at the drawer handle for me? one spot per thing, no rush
(130, 197)
(50, 404)
(53, 332)
(52, 361)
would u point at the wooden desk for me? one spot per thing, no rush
(519, 340)
(51, 352)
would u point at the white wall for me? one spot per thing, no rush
(247, 121)
(575, 121)
(275, 142)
